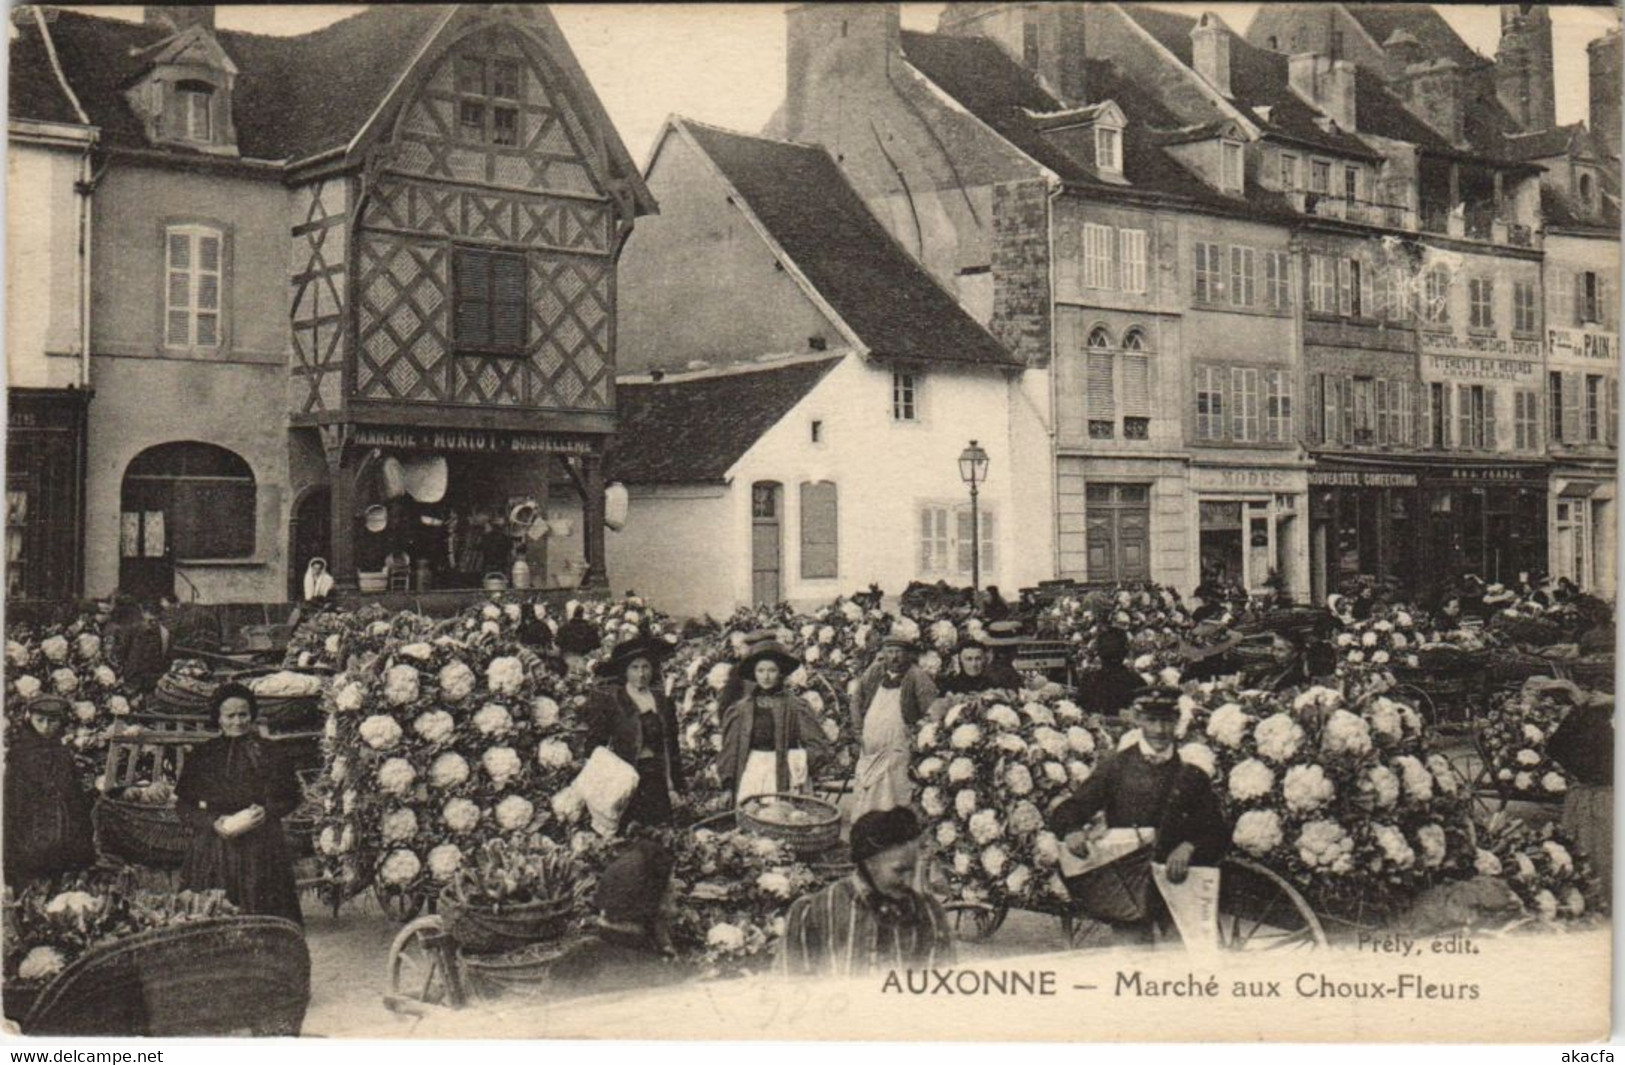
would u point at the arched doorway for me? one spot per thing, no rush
(182, 501)
(309, 535)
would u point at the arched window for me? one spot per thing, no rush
(1100, 400)
(188, 500)
(1100, 338)
(1587, 190)
(1134, 340)
(1134, 385)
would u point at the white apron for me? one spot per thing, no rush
(761, 775)
(882, 773)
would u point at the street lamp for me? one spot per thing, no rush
(973, 471)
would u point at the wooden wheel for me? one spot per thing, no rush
(975, 922)
(1086, 933)
(423, 966)
(1258, 910)
(398, 906)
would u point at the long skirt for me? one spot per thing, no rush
(651, 802)
(761, 775)
(255, 870)
(1588, 817)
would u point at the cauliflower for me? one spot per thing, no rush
(380, 732)
(1278, 737)
(966, 736)
(505, 675)
(399, 825)
(1251, 780)
(1324, 845)
(456, 681)
(1227, 726)
(965, 802)
(400, 685)
(514, 812)
(994, 860)
(434, 726)
(1306, 788)
(1201, 756)
(396, 775)
(1432, 839)
(553, 754)
(448, 770)
(1257, 832)
(1395, 850)
(41, 963)
(1018, 780)
(502, 764)
(401, 867)
(460, 815)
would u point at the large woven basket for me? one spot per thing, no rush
(1530, 632)
(528, 971)
(820, 830)
(145, 835)
(498, 929)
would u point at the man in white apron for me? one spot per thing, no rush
(891, 698)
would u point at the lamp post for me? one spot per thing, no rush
(973, 471)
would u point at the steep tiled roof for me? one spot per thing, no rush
(1559, 213)
(688, 432)
(35, 91)
(1545, 143)
(294, 96)
(880, 291)
(990, 85)
(1422, 22)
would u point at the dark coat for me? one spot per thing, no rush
(1174, 798)
(1584, 745)
(255, 869)
(47, 811)
(1109, 691)
(614, 721)
(578, 637)
(799, 727)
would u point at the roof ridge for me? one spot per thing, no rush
(734, 369)
(694, 122)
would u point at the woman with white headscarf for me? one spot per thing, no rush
(318, 582)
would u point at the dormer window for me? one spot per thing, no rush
(1109, 149)
(1588, 192)
(196, 100)
(1231, 166)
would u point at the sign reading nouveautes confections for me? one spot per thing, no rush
(1361, 479)
(483, 441)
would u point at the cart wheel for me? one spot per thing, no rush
(1258, 910)
(422, 965)
(1085, 933)
(975, 922)
(398, 906)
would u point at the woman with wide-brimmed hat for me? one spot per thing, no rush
(635, 720)
(771, 740)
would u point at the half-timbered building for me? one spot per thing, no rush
(353, 296)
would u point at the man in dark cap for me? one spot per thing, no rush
(1110, 689)
(892, 696)
(874, 919)
(631, 947)
(47, 810)
(1145, 789)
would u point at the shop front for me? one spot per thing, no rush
(446, 510)
(1249, 530)
(1362, 518)
(45, 477)
(1582, 520)
(1487, 519)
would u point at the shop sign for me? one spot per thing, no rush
(1494, 475)
(1479, 369)
(39, 416)
(1205, 478)
(1361, 479)
(1458, 344)
(481, 441)
(1583, 344)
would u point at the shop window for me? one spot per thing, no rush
(194, 274)
(189, 501)
(904, 398)
(1222, 542)
(1278, 280)
(1117, 522)
(1480, 303)
(1525, 319)
(945, 540)
(819, 529)
(491, 305)
(1593, 408)
(1243, 266)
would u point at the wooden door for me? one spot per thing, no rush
(310, 537)
(766, 543)
(1117, 522)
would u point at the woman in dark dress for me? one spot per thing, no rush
(771, 739)
(234, 792)
(47, 810)
(633, 717)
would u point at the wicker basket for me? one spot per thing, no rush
(528, 971)
(1511, 668)
(819, 833)
(143, 834)
(1530, 632)
(187, 696)
(1593, 674)
(498, 929)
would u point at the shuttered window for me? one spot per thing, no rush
(1210, 403)
(1322, 285)
(1572, 433)
(1593, 411)
(1436, 298)
(1097, 256)
(934, 539)
(1209, 273)
(1243, 267)
(1278, 280)
(1133, 245)
(1611, 423)
(962, 539)
(1475, 417)
(1100, 403)
(1278, 406)
(1481, 303)
(1243, 404)
(945, 541)
(1524, 316)
(1136, 376)
(1559, 426)
(1526, 420)
(491, 307)
(819, 524)
(192, 286)
(1438, 429)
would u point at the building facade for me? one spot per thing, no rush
(359, 325)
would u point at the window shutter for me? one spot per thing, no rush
(1491, 398)
(473, 280)
(1272, 406)
(1133, 258)
(1345, 408)
(819, 528)
(1611, 385)
(1345, 288)
(1580, 298)
(1381, 399)
(1326, 404)
(989, 559)
(1573, 433)
(963, 532)
(1606, 311)
(1136, 386)
(1425, 400)
(1101, 403)
(1407, 420)
(508, 303)
(1464, 417)
(1367, 306)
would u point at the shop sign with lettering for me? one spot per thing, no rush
(1582, 344)
(1211, 479)
(1467, 367)
(1460, 344)
(483, 441)
(1493, 474)
(1361, 479)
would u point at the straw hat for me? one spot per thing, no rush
(426, 478)
(377, 518)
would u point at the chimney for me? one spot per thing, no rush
(1047, 39)
(1434, 93)
(1326, 83)
(1210, 51)
(1604, 56)
(831, 47)
(179, 18)
(1523, 66)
